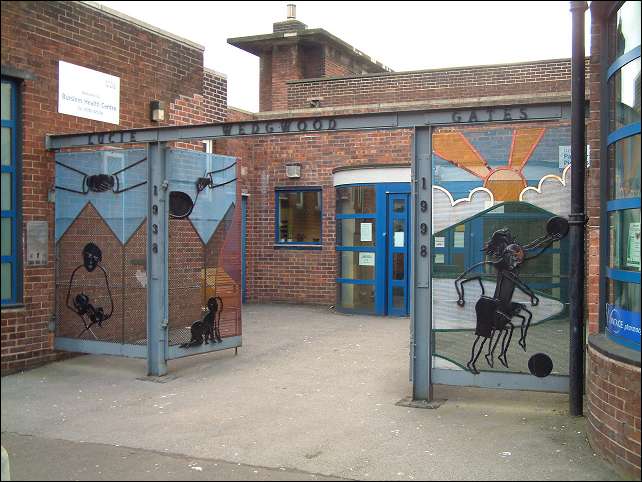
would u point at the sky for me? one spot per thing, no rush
(402, 35)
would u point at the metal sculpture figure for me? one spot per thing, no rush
(101, 182)
(181, 205)
(495, 314)
(81, 305)
(209, 327)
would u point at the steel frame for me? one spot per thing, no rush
(421, 122)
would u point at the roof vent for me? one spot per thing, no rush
(291, 11)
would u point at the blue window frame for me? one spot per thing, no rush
(10, 269)
(620, 285)
(298, 217)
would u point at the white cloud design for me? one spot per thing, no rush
(447, 212)
(553, 193)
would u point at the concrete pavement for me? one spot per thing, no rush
(312, 392)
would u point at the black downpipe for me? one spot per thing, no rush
(578, 218)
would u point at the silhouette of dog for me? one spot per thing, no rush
(209, 327)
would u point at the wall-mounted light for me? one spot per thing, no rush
(157, 109)
(293, 170)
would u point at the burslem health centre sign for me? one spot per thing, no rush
(88, 93)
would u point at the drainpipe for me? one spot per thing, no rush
(577, 218)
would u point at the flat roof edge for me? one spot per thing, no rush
(139, 23)
(247, 43)
(440, 69)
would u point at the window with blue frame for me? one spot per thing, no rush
(356, 248)
(621, 315)
(9, 195)
(299, 216)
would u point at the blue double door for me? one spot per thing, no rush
(373, 248)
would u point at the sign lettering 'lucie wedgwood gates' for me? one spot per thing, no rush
(88, 93)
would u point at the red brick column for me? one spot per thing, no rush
(613, 390)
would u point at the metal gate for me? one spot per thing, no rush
(464, 200)
(135, 270)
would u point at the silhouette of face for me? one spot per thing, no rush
(212, 305)
(91, 256)
(513, 256)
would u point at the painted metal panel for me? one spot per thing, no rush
(421, 261)
(100, 347)
(508, 381)
(227, 343)
(326, 124)
(158, 260)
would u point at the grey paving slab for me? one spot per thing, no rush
(35, 458)
(311, 391)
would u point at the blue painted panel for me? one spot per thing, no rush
(623, 132)
(620, 204)
(122, 212)
(622, 61)
(622, 275)
(184, 168)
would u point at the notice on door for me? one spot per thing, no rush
(399, 239)
(366, 259)
(88, 93)
(366, 232)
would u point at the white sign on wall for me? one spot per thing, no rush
(88, 93)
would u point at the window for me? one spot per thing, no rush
(298, 216)
(620, 317)
(9, 195)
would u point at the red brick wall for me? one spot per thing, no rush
(291, 62)
(265, 82)
(35, 36)
(287, 64)
(313, 62)
(592, 190)
(215, 96)
(238, 115)
(614, 412)
(291, 275)
(337, 64)
(524, 78)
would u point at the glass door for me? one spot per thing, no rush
(397, 254)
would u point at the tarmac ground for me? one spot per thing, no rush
(311, 395)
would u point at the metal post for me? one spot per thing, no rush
(421, 300)
(157, 260)
(577, 216)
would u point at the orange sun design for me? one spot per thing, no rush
(505, 182)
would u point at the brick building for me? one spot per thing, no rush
(151, 65)
(327, 210)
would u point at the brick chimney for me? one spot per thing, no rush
(294, 52)
(291, 24)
